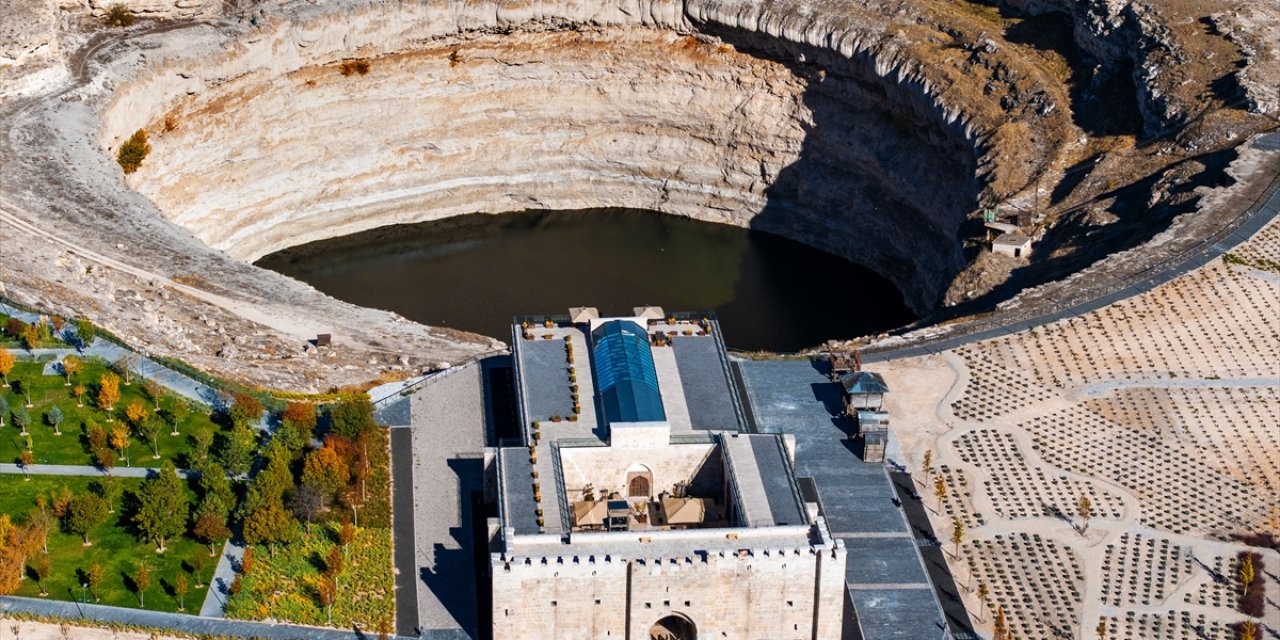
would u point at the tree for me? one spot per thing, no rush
(21, 419)
(1085, 506)
(6, 365)
(142, 580)
(211, 528)
(298, 423)
(1246, 573)
(983, 593)
(236, 452)
(176, 413)
(180, 588)
(30, 337)
(62, 502)
(216, 495)
(940, 490)
(305, 504)
(135, 413)
(24, 387)
(84, 513)
(93, 578)
(54, 418)
(325, 472)
(1001, 625)
(109, 488)
(333, 563)
(198, 564)
(957, 533)
(108, 393)
(120, 442)
(154, 392)
(162, 506)
(1101, 629)
(42, 568)
(79, 391)
(71, 366)
(327, 592)
(270, 524)
(105, 458)
(346, 535)
(28, 459)
(85, 331)
(927, 463)
(352, 415)
(150, 429)
(245, 410)
(118, 16)
(125, 365)
(4, 409)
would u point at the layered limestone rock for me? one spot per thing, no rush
(870, 129)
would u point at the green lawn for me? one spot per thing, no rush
(72, 446)
(283, 587)
(117, 550)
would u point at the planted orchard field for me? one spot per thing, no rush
(116, 549)
(288, 587)
(80, 415)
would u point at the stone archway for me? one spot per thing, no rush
(639, 482)
(673, 627)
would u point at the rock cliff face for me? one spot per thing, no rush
(270, 144)
(870, 129)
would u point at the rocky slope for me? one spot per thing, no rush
(872, 130)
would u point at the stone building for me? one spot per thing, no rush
(638, 506)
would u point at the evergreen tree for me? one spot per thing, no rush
(270, 525)
(216, 494)
(162, 506)
(237, 449)
(85, 331)
(54, 418)
(84, 513)
(325, 472)
(352, 416)
(21, 419)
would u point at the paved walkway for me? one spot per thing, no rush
(215, 599)
(447, 439)
(86, 470)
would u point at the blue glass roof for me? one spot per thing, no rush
(624, 373)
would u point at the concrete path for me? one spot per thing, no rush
(215, 599)
(1099, 389)
(86, 470)
(447, 439)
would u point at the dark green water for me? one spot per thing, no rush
(476, 272)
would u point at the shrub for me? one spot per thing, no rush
(134, 151)
(359, 65)
(118, 16)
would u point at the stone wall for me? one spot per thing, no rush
(754, 593)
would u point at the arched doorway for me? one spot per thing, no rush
(638, 487)
(639, 481)
(673, 627)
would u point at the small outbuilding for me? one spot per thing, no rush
(649, 313)
(862, 390)
(1013, 244)
(583, 315)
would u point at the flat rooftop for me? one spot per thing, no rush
(605, 402)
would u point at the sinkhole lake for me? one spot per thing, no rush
(476, 272)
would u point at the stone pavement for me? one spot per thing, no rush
(447, 437)
(215, 599)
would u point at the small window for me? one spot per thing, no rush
(648, 605)
(597, 600)
(553, 603)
